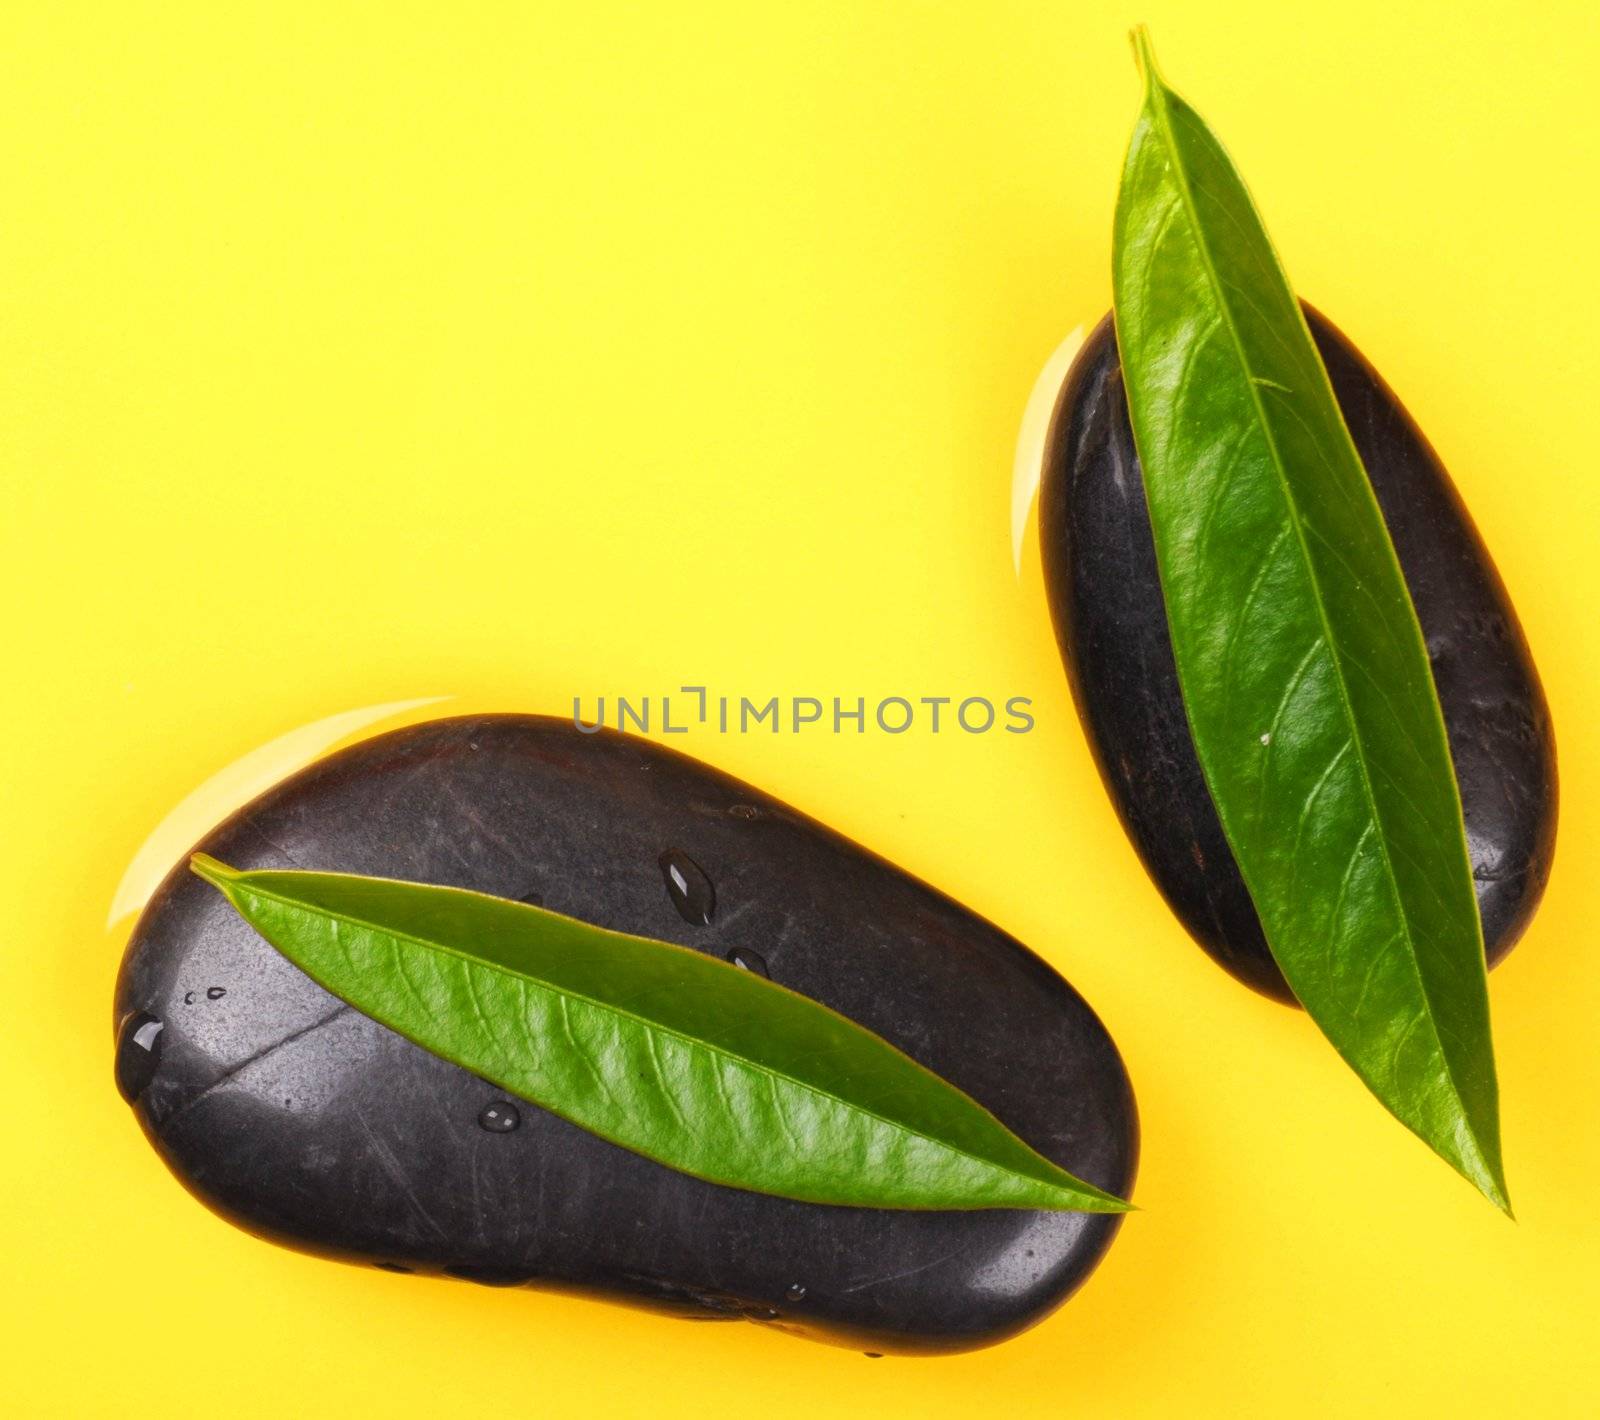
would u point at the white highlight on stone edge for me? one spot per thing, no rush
(1029, 466)
(231, 788)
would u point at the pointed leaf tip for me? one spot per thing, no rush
(1494, 1189)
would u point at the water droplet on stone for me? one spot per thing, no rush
(138, 1053)
(533, 899)
(501, 1117)
(750, 961)
(796, 1292)
(744, 811)
(688, 887)
(216, 993)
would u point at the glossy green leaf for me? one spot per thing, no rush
(1303, 669)
(680, 1057)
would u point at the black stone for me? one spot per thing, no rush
(312, 1125)
(1105, 597)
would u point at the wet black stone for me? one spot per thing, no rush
(1105, 597)
(381, 1157)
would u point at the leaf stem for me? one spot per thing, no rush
(1144, 54)
(218, 874)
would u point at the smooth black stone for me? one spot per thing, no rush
(1105, 598)
(310, 1124)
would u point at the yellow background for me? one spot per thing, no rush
(357, 353)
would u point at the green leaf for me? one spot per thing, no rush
(1303, 669)
(680, 1057)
